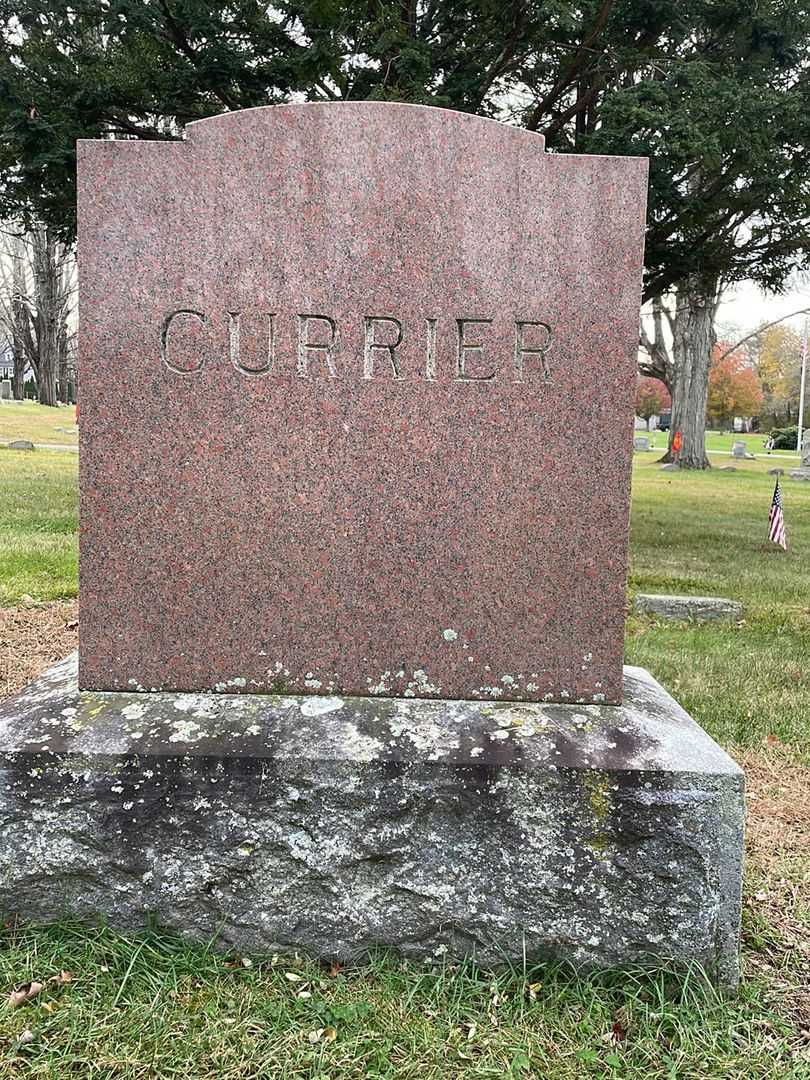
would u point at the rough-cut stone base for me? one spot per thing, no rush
(605, 835)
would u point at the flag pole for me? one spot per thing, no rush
(801, 389)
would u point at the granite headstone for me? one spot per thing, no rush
(337, 363)
(356, 387)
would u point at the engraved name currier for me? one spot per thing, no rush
(476, 353)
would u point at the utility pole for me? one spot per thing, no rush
(801, 389)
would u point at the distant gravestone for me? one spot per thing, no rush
(803, 472)
(740, 450)
(641, 443)
(21, 444)
(697, 608)
(5, 390)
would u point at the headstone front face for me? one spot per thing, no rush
(5, 390)
(641, 442)
(806, 450)
(738, 449)
(356, 382)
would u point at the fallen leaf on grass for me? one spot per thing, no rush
(334, 968)
(618, 1033)
(24, 993)
(26, 1036)
(327, 1034)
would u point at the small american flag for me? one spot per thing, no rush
(776, 520)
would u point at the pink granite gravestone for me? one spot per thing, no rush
(357, 382)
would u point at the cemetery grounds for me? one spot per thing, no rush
(152, 1006)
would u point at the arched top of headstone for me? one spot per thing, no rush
(339, 115)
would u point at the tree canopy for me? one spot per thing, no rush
(715, 92)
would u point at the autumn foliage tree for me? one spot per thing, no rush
(778, 358)
(734, 387)
(652, 398)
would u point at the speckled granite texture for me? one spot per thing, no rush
(356, 386)
(603, 835)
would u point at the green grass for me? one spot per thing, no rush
(717, 441)
(151, 1006)
(704, 534)
(38, 524)
(39, 423)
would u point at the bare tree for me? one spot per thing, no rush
(37, 287)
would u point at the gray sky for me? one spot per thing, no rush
(747, 307)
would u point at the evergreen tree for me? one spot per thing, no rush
(715, 92)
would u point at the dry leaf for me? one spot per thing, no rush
(24, 993)
(334, 968)
(303, 995)
(26, 1036)
(620, 1029)
(532, 989)
(60, 979)
(315, 1035)
(471, 1030)
(292, 977)
(72, 625)
(329, 1034)
(247, 962)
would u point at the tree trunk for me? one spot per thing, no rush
(49, 314)
(19, 318)
(18, 376)
(692, 342)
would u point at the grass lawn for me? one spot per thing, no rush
(704, 534)
(39, 423)
(151, 1007)
(717, 442)
(38, 524)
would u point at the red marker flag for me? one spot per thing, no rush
(776, 520)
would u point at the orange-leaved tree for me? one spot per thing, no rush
(734, 387)
(652, 398)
